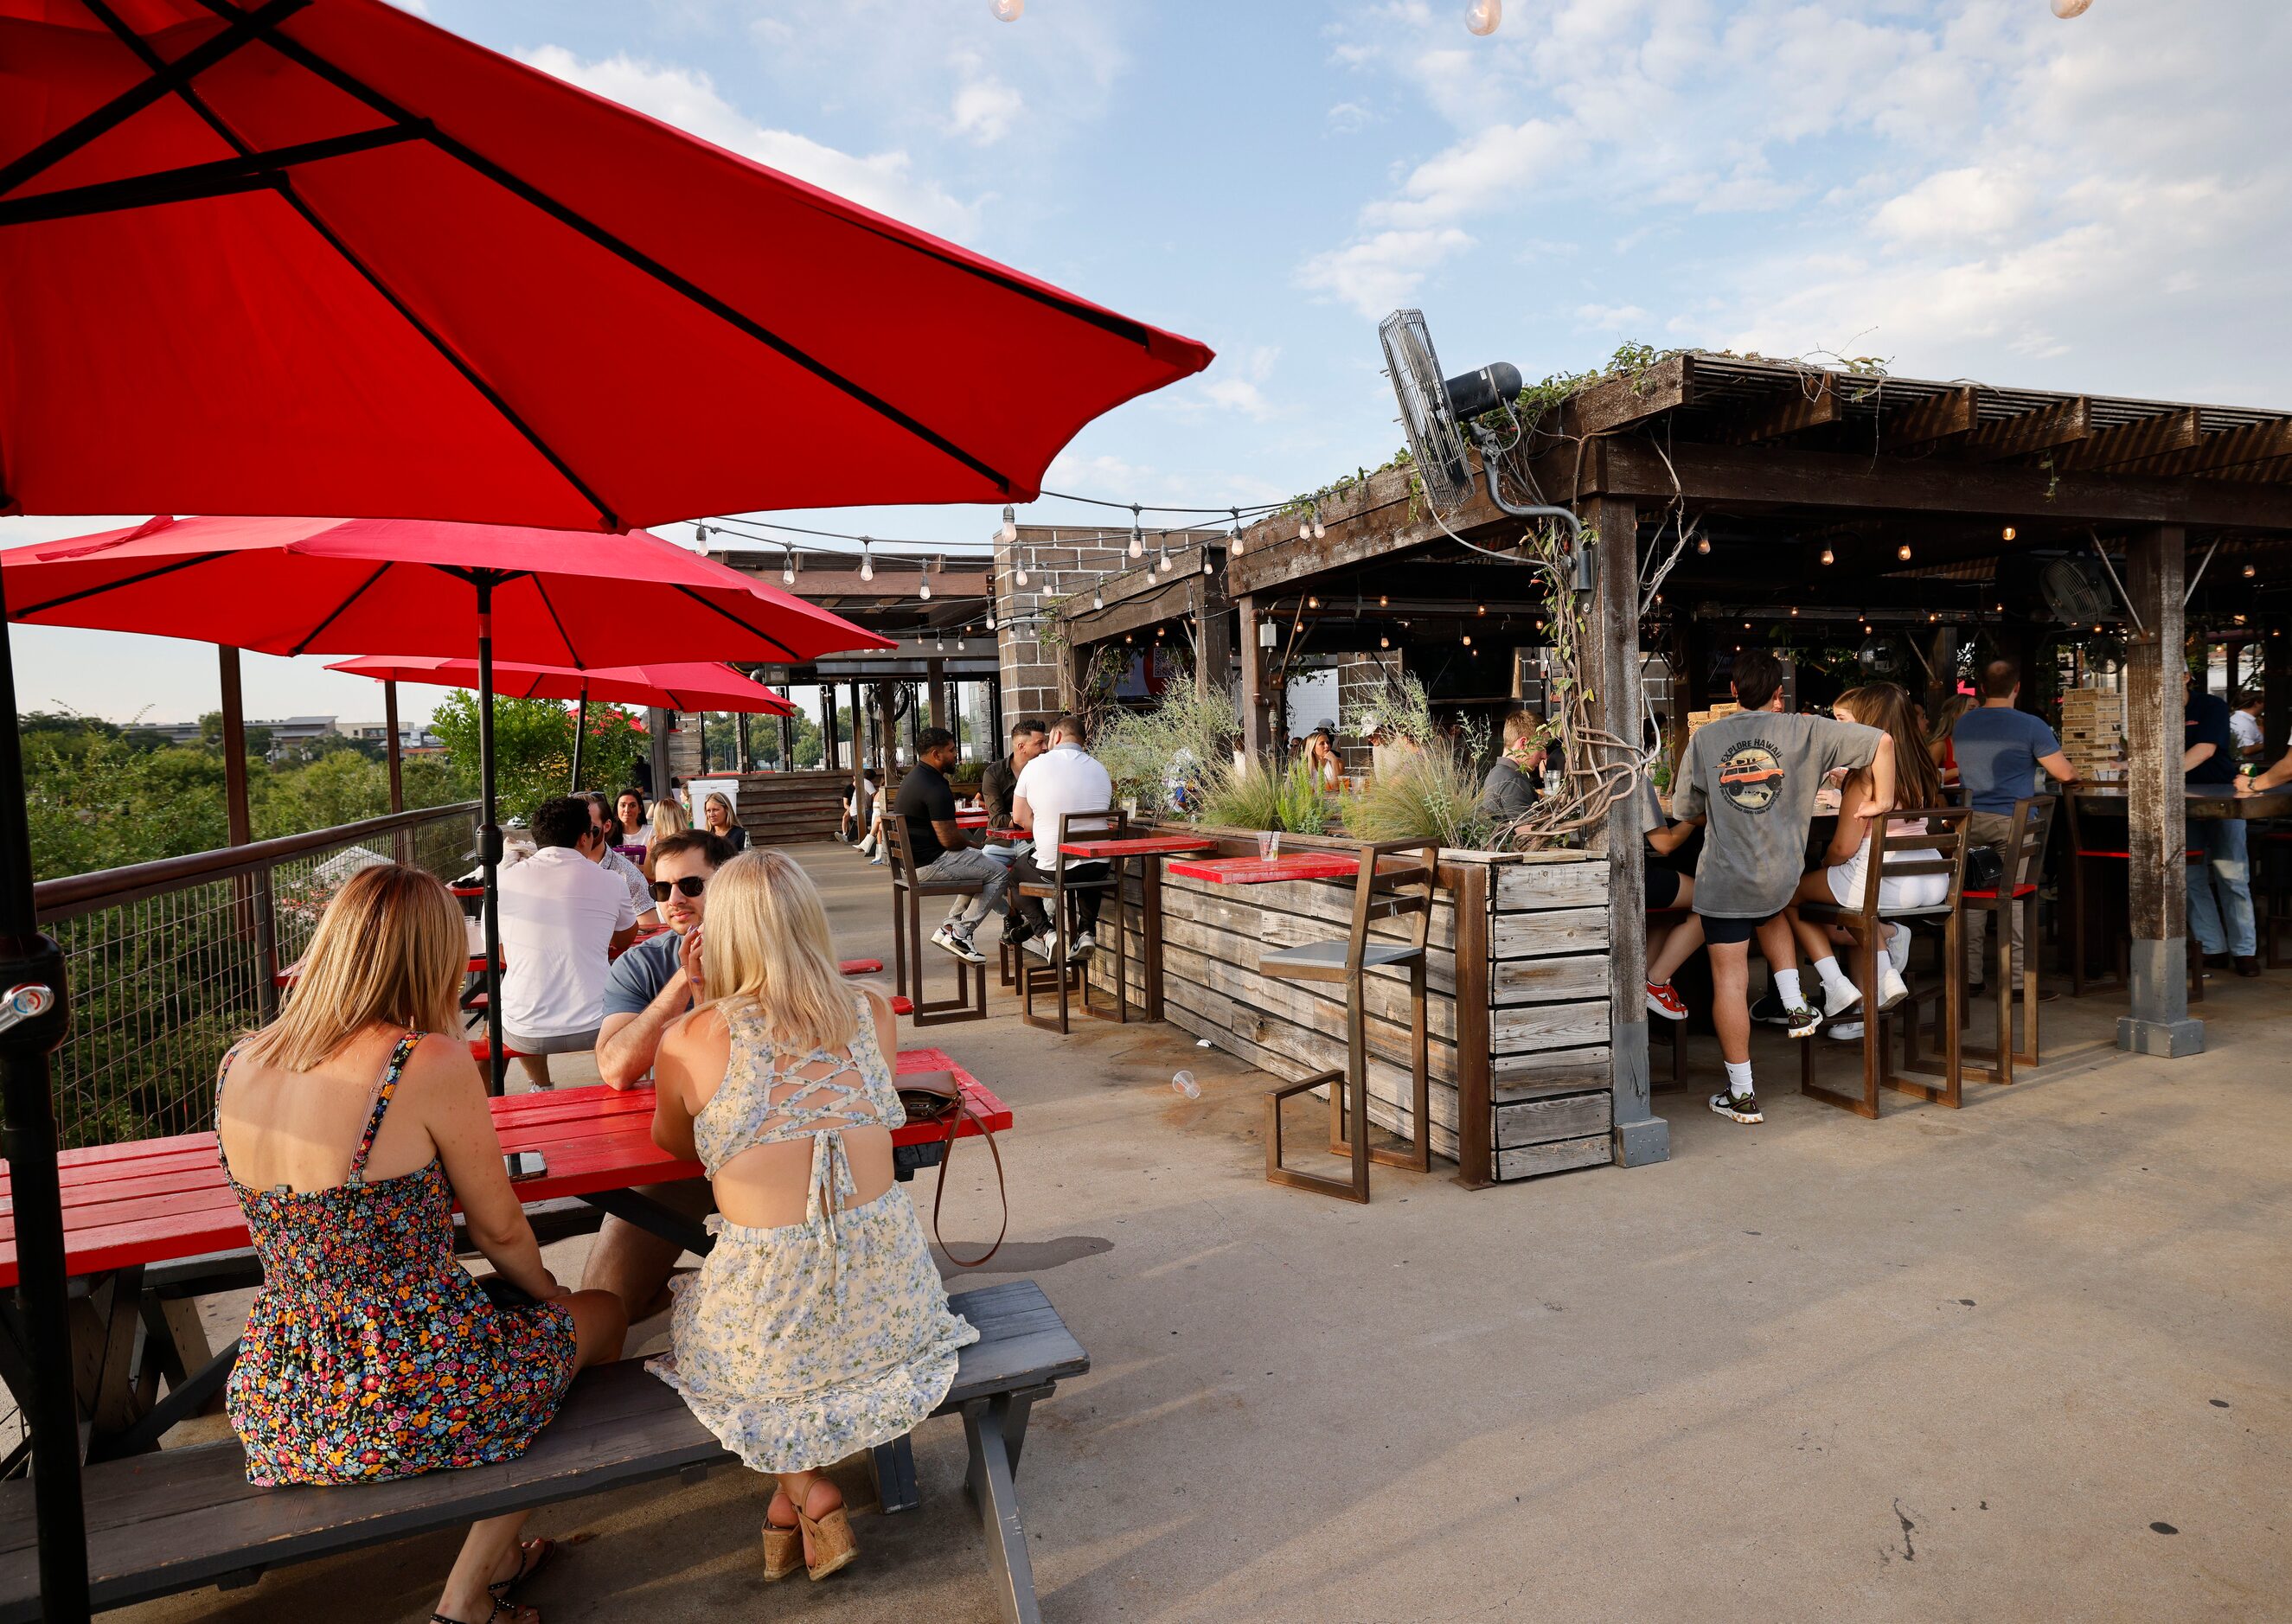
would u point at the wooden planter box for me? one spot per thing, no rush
(1521, 1067)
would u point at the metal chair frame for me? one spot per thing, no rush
(907, 892)
(1381, 891)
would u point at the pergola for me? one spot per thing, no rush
(1769, 490)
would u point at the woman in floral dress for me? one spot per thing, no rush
(818, 1327)
(350, 1127)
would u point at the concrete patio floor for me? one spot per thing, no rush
(2029, 1360)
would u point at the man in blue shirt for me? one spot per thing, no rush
(2223, 890)
(2000, 751)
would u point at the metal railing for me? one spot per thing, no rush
(170, 961)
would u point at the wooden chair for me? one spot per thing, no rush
(2023, 857)
(2272, 908)
(2095, 849)
(1061, 976)
(909, 889)
(1674, 1033)
(1382, 890)
(1939, 851)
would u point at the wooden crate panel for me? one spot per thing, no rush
(1554, 980)
(1549, 1025)
(1535, 1161)
(1534, 887)
(1542, 1121)
(1547, 1070)
(1563, 931)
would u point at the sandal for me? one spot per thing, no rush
(833, 1548)
(783, 1544)
(532, 1554)
(516, 1615)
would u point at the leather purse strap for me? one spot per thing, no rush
(955, 1121)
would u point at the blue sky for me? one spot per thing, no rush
(1969, 187)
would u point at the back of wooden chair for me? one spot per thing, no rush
(1383, 889)
(2025, 842)
(1112, 825)
(1939, 851)
(903, 855)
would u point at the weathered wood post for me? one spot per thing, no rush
(2155, 710)
(1213, 642)
(2276, 688)
(1638, 1135)
(1256, 736)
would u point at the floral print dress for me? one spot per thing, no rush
(800, 1344)
(370, 1351)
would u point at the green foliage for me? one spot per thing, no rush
(616, 743)
(532, 749)
(1431, 794)
(96, 801)
(1153, 755)
(1259, 796)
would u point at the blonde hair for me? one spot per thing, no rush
(770, 954)
(389, 951)
(717, 798)
(669, 817)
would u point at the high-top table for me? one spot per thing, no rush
(128, 1208)
(1148, 852)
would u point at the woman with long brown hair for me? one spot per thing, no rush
(349, 1128)
(1843, 880)
(819, 1325)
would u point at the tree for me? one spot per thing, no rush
(616, 741)
(532, 749)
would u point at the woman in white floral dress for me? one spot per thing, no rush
(818, 1326)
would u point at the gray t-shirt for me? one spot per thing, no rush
(638, 975)
(1753, 775)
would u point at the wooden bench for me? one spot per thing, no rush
(164, 1523)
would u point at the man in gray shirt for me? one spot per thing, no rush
(1753, 777)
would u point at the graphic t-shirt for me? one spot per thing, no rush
(1753, 777)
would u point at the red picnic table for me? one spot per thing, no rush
(157, 1202)
(1266, 871)
(1145, 850)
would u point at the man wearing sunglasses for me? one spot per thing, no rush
(650, 986)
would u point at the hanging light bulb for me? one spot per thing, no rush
(990, 620)
(700, 536)
(2006, 534)
(1483, 609)
(2249, 572)
(1305, 529)
(1097, 598)
(1703, 544)
(1137, 534)
(1384, 642)
(922, 587)
(960, 644)
(868, 560)
(1903, 552)
(1010, 11)
(1312, 603)
(1484, 17)
(1207, 568)
(1793, 609)
(1468, 640)
(1126, 637)
(1233, 536)
(1162, 553)
(1159, 630)
(1320, 529)
(2066, 9)
(788, 567)
(1382, 601)
(1828, 556)
(1020, 575)
(1009, 533)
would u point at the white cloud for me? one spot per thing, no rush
(984, 108)
(884, 181)
(1612, 318)
(1494, 167)
(1348, 116)
(1379, 272)
(1955, 205)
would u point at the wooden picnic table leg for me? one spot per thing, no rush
(1150, 907)
(986, 1424)
(894, 1464)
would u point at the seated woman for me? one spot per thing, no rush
(629, 813)
(668, 817)
(1843, 880)
(818, 1327)
(718, 810)
(349, 1128)
(606, 817)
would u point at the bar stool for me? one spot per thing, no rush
(2275, 843)
(1381, 891)
(908, 890)
(1939, 851)
(1065, 975)
(2084, 857)
(2014, 897)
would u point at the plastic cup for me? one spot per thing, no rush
(1268, 844)
(1183, 1084)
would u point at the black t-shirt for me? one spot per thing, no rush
(2208, 725)
(925, 796)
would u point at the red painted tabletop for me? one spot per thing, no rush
(155, 1200)
(1137, 846)
(1262, 871)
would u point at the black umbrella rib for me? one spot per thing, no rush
(572, 653)
(250, 172)
(1122, 326)
(245, 27)
(566, 215)
(787, 654)
(28, 610)
(336, 612)
(402, 130)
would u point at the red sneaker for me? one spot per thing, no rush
(1662, 1001)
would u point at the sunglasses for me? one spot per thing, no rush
(691, 885)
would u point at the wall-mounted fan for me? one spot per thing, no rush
(1879, 656)
(1440, 417)
(2078, 590)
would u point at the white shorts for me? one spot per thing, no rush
(1907, 894)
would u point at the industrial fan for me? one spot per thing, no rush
(2078, 591)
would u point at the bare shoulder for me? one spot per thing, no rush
(440, 1063)
(693, 1031)
(879, 1008)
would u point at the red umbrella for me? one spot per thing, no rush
(692, 685)
(332, 243)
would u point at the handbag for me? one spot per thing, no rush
(1985, 870)
(935, 1096)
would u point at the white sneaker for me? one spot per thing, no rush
(958, 943)
(1847, 1032)
(1898, 947)
(1039, 945)
(1891, 988)
(1837, 1000)
(1081, 947)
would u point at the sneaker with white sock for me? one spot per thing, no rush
(1738, 1107)
(1837, 998)
(1891, 988)
(1803, 1022)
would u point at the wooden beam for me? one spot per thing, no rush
(2258, 443)
(1796, 410)
(1930, 421)
(1169, 598)
(2060, 424)
(391, 752)
(2131, 442)
(890, 586)
(2156, 805)
(1621, 402)
(1638, 1135)
(1788, 478)
(1475, 989)
(1257, 728)
(1213, 642)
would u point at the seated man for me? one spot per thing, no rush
(1063, 779)
(999, 784)
(1515, 782)
(925, 803)
(651, 986)
(609, 859)
(562, 917)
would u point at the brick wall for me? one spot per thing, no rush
(1060, 562)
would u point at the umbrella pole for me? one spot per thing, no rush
(580, 732)
(489, 838)
(34, 1017)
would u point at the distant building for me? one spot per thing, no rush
(378, 733)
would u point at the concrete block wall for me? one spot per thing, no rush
(1061, 561)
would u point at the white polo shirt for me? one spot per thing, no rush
(1064, 778)
(559, 912)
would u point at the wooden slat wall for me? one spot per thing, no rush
(1547, 994)
(790, 808)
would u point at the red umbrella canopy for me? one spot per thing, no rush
(322, 256)
(691, 686)
(291, 586)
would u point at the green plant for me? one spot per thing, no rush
(1433, 795)
(1159, 755)
(532, 749)
(1259, 796)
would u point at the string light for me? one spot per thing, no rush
(1305, 529)
(700, 536)
(1097, 598)
(2066, 9)
(1484, 17)
(868, 562)
(1320, 529)
(1903, 552)
(1137, 534)
(1162, 565)
(1381, 602)
(1384, 642)
(2006, 534)
(1020, 575)
(2250, 573)
(1312, 603)
(1793, 609)
(990, 620)
(1703, 545)
(788, 567)
(1010, 11)
(1482, 609)
(1828, 556)
(922, 587)
(1233, 536)
(1208, 569)
(1468, 640)
(1009, 533)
